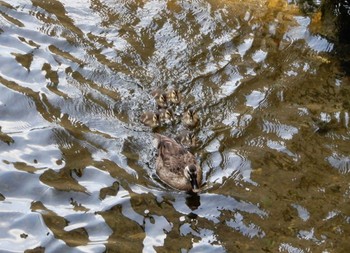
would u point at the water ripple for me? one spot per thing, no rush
(340, 162)
(281, 130)
(77, 166)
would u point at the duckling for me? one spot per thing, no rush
(150, 119)
(190, 118)
(160, 98)
(166, 115)
(174, 96)
(187, 139)
(176, 166)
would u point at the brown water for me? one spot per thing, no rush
(77, 167)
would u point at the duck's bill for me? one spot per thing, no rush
(194, 183)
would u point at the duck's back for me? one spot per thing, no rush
(171, 162)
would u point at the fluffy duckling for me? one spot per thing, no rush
(166, 115)
(150, 119)
(188, 139)
(174, 96)
(190, 118)
(176, 166)
(160, 98)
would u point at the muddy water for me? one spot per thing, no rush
(77, 166)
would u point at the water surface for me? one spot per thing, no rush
(77, 166)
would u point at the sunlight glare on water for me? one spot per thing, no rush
(77, 166)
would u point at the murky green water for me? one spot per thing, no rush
(77, 166)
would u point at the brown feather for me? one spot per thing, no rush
(171, 162)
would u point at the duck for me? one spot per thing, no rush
(150, 119)
(176, 166)
(173, 96)
(166, 115)
(190, 118)
(187, 139)
(160, 98)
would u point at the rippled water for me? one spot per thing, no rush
(77, 167)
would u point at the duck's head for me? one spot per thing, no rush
(191, 175)
(150, 119)
(190, 118)
(174, 96)
(160, 98)
(188, 139)
(166, 115)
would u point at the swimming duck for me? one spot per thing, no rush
(166, 115)
(150, 119)
(187, 139)
(160, 98)
(173, 96)
(176, 166)
(190, 118)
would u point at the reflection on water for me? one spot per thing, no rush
(77, 166)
